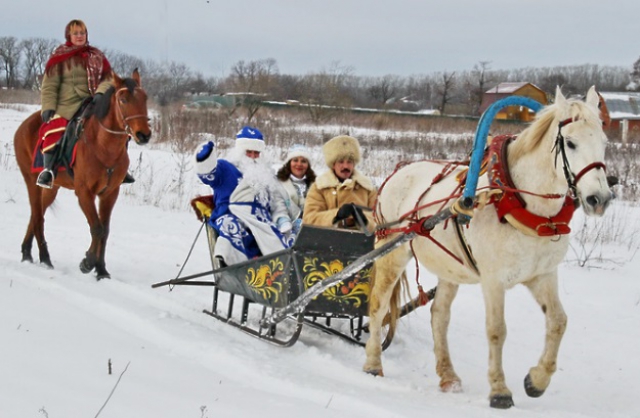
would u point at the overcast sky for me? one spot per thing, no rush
(373, 37)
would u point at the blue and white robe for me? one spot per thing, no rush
(244, 215)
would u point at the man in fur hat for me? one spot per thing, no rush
(249, 214)
(337, 195)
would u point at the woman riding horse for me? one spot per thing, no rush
(75, 72)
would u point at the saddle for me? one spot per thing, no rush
(66, 150)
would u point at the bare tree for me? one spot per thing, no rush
(481, 78)
(123, 64)
(325, 93)
(384, 89)
(421, 89)
(36, 52)
(10, 60)
(635, 77)
(255, 80)
(445, 89)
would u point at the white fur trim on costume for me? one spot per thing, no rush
(208, 164)
(250, 144)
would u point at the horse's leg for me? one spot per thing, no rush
(387, 271)
(494, 293)
(440, 316)
(39, 201)
(545, 291)
(87, 203)
(106, 208)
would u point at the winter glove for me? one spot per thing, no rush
(349, 210)
(47, 115)
(284, 225)
(297, 224)
(205, 151)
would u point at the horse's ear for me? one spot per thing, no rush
(136, 77)
(593, 99)
(560, 99)
(116, 80)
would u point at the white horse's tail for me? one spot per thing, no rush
(395, 304)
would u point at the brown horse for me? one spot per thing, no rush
(101, 163)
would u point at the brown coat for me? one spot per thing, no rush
(327, 194)
(64, 91)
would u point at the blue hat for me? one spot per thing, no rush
(250, 139)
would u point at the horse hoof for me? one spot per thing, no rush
(85, 267)
(27, 258)
(454, 386)
(377, 373)
(47, 264)
(531, 390)
(103, 276)
(501, 401)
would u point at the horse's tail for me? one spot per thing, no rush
(395, 305)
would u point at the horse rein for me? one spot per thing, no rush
(125, 120)
(559, 147)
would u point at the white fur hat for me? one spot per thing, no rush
(250, 139)
(298, 150)
(340, 147)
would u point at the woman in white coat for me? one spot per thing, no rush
(296, 176)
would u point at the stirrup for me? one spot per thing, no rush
(45, 179)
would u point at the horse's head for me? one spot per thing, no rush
(580, 149)
(129, 100)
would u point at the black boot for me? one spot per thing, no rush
(128, 179)
(46, 176)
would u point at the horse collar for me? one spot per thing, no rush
(510, 206)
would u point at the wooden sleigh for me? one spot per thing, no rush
(321, 282)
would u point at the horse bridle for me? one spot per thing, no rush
(559, 147)
(125, 120)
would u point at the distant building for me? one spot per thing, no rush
(503, 90)
(624, 111)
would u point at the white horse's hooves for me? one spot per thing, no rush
(501, 401)
(454, 386)
(377, 373)
(531, 390)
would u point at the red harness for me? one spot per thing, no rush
(511, 203)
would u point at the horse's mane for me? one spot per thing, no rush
(101, 108)
(533, 136)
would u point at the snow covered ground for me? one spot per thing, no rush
(61, 329)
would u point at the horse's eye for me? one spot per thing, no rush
(123, 100)
(571, 145)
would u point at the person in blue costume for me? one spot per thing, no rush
(250, 213)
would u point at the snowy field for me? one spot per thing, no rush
(60, 329)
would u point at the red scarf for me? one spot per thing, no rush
(92, 59)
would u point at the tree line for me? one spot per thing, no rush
(336, 85)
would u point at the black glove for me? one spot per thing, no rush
(349, 210)
(47, 115)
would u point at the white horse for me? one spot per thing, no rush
(556, 161)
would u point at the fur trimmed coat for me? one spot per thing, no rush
(327, 194)
(245, 214)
